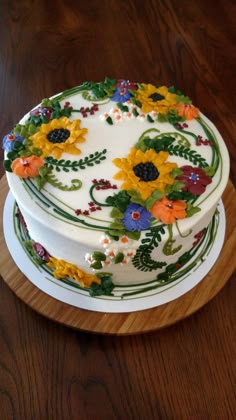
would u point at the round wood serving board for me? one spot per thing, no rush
(125, 323)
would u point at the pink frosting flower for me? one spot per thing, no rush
(195, 179)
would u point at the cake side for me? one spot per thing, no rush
(142, 192)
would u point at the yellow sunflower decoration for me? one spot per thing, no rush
(64, 269)
(59, 136)
(145, 171)
(156, 99)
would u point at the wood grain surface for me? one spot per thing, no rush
(125, 323)
(48, 371)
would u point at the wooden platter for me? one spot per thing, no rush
(125, 323)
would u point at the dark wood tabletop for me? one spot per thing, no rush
(186, 371)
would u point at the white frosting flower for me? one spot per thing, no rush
(88, 258)
(111, 251)
(105, 240)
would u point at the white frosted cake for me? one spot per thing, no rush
(116, 184)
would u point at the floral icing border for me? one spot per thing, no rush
(102, 284)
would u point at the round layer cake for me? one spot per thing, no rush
(116, 183)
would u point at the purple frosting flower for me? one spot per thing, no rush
(42, 111)
(41, 251)
(136, 217)
(9, 141)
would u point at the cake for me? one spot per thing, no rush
(116, 184)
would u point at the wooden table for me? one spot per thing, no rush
(48, 371)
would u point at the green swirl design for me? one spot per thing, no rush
(76, 184)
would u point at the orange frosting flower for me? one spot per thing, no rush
(188, 111)
(27, 167)
(169, 211)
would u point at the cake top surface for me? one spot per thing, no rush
(116, 158)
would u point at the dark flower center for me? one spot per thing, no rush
(146, 171)
(24, 162)
(123, 91)
(156, 97)
(194, 177)
(59, 135)
(11, 137)
(135, 215)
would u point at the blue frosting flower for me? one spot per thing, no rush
(121, 94)
(136, 217)
(9, 141)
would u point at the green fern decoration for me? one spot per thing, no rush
(142, 259)
(68, 165)
(188, 154)
(75, 183)
(161, 141)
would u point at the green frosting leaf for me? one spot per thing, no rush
(42, 178)
(119, 258)
(136, 197)
(183, 99)
(105, 288)
(155, 196)
(209, 170)
(98, 256)
(181, 195)
(117, 225)
(176, 172)
(25, 130)
(123, 108)
(171, 116)
(119, 200)
(159, 144)
(116, 213)
(141, 141)
(7, 165)
(96, 265)
(115, 234)
(150, 119)
(17, 146)
(191, 210)
(46, 103)
(134, 234)
(176, 186)
(109, 120)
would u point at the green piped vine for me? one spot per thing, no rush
(168, 248)
(164, 142)
(183, 265)
(68, 165)
(188, 154)
(76, 184)
(216, 156)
